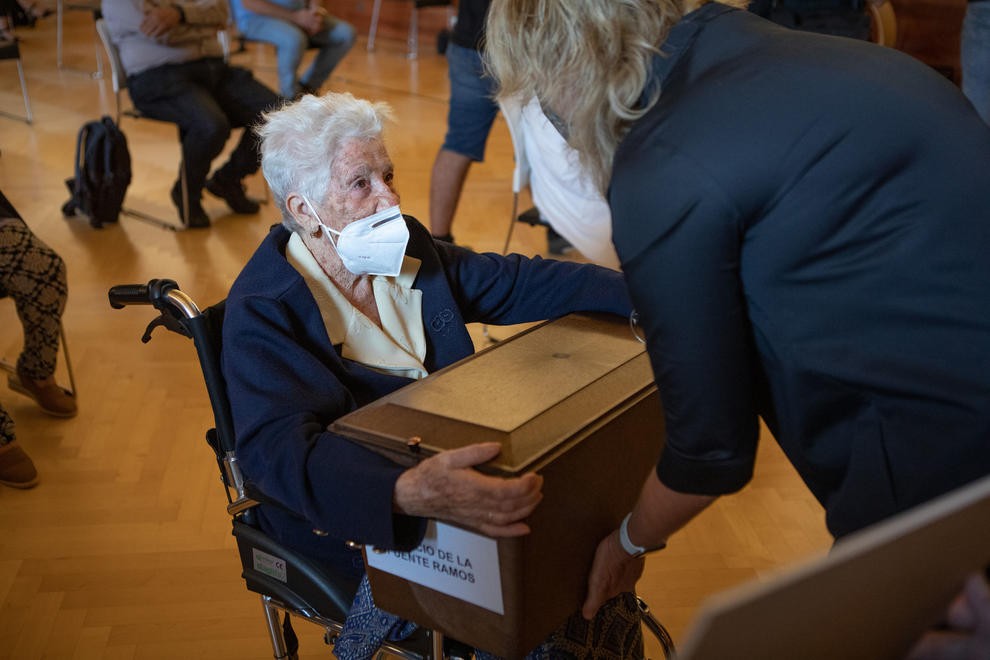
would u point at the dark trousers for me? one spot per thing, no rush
(206, 98)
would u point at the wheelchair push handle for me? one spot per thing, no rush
(128, 294)
(140, 294)
(164, 295)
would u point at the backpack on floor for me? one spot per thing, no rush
(103, 172)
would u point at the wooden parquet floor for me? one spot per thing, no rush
(124, 550)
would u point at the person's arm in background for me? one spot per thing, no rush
(966, 635)
(308, 18)
(161, 18)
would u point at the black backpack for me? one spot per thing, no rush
(103, 172)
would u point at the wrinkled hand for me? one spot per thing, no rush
(612, 572)
(968, 618)
(309, 19)
(158, 21)
(447, 487)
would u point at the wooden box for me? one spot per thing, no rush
(573, 400)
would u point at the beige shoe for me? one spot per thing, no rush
(53, 399)
(16, 467)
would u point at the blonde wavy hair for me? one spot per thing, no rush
(587, 61)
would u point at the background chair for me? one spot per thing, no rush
(10, 367)
(883, 27)
(12, 51)
(118, 80)
(520, 180)
(413, 39)
(521, 170)
(91, 6)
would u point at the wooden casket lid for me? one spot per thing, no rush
(532, 393)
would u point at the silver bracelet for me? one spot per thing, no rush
(631, 548)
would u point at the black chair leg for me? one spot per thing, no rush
(291, 641)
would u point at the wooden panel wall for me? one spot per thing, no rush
(929, 30)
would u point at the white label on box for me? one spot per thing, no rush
(450, 560)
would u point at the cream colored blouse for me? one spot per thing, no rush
(399, 346)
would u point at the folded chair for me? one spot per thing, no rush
(10, 367)
(62, 6)
(883, 29)
(413, 38)
(285, 580)
(12, 51)
(520, 179)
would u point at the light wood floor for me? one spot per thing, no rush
(124, 549)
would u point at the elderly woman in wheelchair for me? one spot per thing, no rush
(348, 299)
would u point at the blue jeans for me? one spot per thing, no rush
(472, 103)
(291, 43)
(976, 57)
(206, 98)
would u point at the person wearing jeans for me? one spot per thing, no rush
(471, 113)
(292, 26)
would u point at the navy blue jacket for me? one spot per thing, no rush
(804, 224)
(287, 382)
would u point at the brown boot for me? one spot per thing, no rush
(53, 399)
(16, 468)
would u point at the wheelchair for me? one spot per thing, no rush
(288, 583)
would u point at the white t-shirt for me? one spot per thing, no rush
(562, 190)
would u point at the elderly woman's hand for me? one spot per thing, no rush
(447, 487)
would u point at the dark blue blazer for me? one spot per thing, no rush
(287, 382)
(818, 211)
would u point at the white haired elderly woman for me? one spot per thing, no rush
(348, 300)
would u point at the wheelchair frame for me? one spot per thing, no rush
(298, 586)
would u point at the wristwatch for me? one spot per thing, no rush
(631, 548)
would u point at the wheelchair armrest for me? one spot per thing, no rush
(271, 569)
(240, 505)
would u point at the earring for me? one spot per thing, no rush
(316, 233)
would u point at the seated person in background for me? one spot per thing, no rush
(176, 73)
(292, 26)
(33, 275)
(20, 12)
(348, 300)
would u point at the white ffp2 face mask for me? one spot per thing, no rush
(373, 245)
